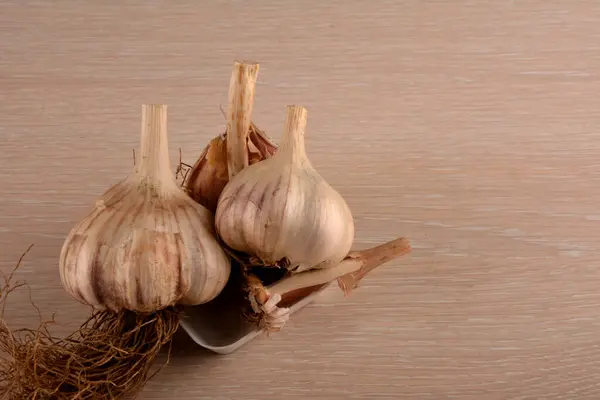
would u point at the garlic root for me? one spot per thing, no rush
(239, 114)
(349, 272)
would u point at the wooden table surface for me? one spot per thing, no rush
(470, 127)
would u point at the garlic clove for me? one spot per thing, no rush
(146, 245)
(282, 209)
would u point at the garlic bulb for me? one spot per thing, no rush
(209, 175)
(281, 209)
(146, 245)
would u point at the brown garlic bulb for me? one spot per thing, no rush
(146, 245)
(209, 175)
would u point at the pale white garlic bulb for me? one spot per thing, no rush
(146, 245)
(282, 209)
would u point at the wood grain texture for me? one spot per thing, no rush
(469, 126)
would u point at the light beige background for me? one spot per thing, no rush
(472, 127)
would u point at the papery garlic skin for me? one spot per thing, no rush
(146, 245)
(281, 208)
(209, 174)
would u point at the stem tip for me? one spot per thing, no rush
(371, 259)
(242, 85)
(154, 155)
(293, 134)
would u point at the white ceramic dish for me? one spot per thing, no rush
(219, 326)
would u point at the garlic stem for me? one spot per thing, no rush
(293, 137)
(374, 257)
(154, 157)
(241, 100)
(315, 277)
(352, 269)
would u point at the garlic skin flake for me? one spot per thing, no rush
(282, 209)
(146, 245)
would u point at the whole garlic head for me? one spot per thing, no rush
(282, 209)
(146, 245)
